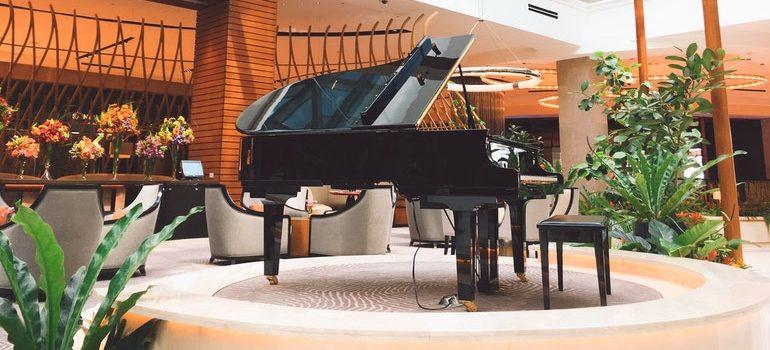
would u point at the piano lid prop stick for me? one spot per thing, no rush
(471, 122)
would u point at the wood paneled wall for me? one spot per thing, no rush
(235, 45)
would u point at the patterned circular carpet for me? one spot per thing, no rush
(388, 288)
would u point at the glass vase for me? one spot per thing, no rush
(22, 165)
(175, 154)
(84, 169)
(47, 162)
(117, 141)
(149, 167)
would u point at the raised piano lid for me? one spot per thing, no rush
(393, 95)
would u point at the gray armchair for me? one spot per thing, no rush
(363, 228)
(135, 233)
(75, 214)
(236, 233)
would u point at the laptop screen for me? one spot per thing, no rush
(192, 169)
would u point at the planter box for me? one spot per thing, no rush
(753, 229)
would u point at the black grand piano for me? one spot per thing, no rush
(359, 128)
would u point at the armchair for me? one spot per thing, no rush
(236, 233)
(363, 228)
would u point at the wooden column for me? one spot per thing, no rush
(235, 45)
(641, 40)
(722, 136)
(490, 107)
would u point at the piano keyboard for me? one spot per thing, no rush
(537, 180)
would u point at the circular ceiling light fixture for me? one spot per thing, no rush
(747, 80)
(494, 79)
(547, 102)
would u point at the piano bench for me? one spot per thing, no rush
(575, 229)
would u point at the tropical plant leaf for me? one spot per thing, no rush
(12, 324)
(698, 233)
(50, 259)
(126, 270)
(82, 283)
(100, 331)
(24, 289)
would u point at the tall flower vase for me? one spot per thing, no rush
(176, 152)
(22, 165)
(84, 169)
(117, 141)
(149, 167)
(47, 163)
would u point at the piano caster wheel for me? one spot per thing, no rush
(522, 277)
(469, 305)
(272, 279)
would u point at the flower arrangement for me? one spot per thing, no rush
(175, 132)
(117, 123)
(150, 148)
(87, 149)
(5, 113)
(49, 133)
(118, 120)
(23, 148)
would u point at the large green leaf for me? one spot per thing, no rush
(24, 289)
(11, 324)
(698, 233)
(50, 259)
(81, 285)
(126, 270)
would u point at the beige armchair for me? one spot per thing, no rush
(361, 229)
(236, 233)
(75, 214)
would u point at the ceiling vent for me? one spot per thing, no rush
(543, 11)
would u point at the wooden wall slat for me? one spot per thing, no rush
(234, 65)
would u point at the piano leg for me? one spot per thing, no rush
(518, 237)
(466, 279)
(273, 214)
(488, 230)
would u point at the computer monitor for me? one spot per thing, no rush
(192, 169)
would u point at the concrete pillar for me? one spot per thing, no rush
(576, 127)
(235, 43)
(490, 106)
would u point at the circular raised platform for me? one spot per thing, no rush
(659, 302)
(387, 287)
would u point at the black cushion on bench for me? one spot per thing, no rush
(573, 221)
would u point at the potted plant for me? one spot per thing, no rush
(54, 323)
(644, 160)
(6, 111)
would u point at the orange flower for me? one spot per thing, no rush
(23, 147)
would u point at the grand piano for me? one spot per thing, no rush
(359, 128)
